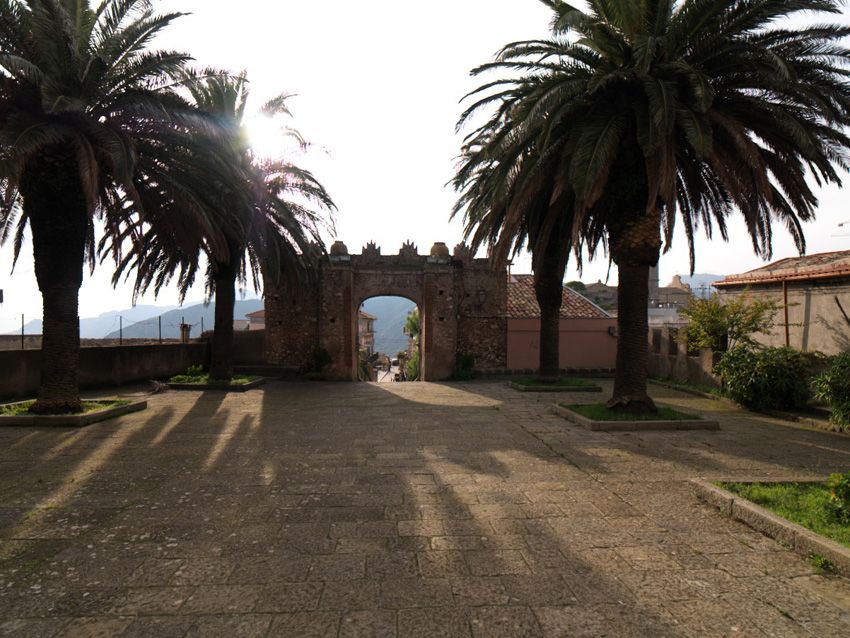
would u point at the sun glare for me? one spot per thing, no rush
(267, 136)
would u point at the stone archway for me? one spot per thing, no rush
(462, 302)
(394, 344)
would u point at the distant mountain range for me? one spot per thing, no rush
(197, 315)
(391, 313)
(142, 322)
(100, 326)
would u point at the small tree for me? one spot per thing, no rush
(412, 324)
(722, 326)
(412, 328)
(578, 286)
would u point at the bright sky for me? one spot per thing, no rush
(378, 84)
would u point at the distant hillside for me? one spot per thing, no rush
(391, 313)
(149, 328)
(700, 283)
(98, 327)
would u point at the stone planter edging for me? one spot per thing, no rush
(553, 388)
(810, 421)
(223, 387)
(72, 420)
(694, 392)
(633, 426)
(803, 541)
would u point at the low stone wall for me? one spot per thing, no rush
(669, 359)
(249, 347)
(20, 371)
(13, 342)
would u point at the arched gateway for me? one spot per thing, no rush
(462, 302)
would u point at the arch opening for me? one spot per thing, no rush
(389, 339)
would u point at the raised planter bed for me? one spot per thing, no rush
(802, 540)
(692, 391)
(72, 420)
(569, 385)
(695, 423)
(815, 417)
(219, 385)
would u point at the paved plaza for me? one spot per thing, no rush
(412, 509)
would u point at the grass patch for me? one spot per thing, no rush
(678, 385)
(567, 382)
(204, 379)
(22, 409)
(598, 412)
(819, 562)
(806, 504)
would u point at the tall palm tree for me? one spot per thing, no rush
(267, 214)
(507, 202)
(656, 110)
(91, 127)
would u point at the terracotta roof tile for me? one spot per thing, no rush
(819, 266)
(522, 303)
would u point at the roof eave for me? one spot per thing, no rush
(778, 279)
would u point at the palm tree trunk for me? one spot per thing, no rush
(550, 339)
(635, 248)
(633, 343)
(549, 268)
(549, 290)
(221, 366)
(56, 207)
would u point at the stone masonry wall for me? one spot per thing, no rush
(482, 322)
(291, 325)
(462, 303)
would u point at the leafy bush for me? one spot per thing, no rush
(839, 497)
(194, 374)
(833, 388)
(321, 359)
(767, 378)
(412, 367)
(464, 367)
(465, 362)
(721, 325)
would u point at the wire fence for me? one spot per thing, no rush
(22, 331)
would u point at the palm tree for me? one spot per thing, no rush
(266, 214)
(508, 205)
(655, 110)
(91, 127)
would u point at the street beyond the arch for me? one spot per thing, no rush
(430, 509)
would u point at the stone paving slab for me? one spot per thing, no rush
(456, 509)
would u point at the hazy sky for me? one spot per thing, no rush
(378, 84)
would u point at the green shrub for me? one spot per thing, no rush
(465, 362)
(722, 324)
(320, 360)
(412, 367)
(195, 371)
(839, 497)
(767, 378)
(833, 388)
